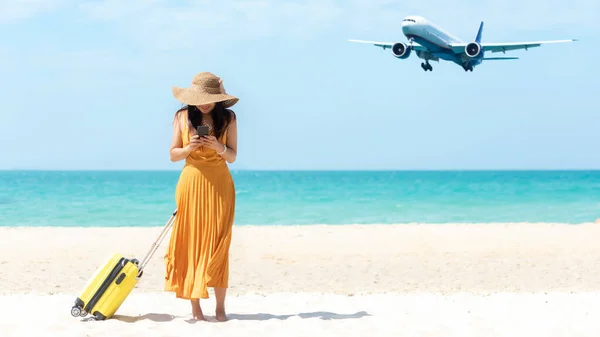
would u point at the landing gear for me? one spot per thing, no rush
(468, 67)
(426, 66)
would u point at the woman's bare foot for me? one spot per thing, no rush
(221, 316)
(220, 308)
(197, 311)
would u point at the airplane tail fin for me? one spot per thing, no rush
(478, 38)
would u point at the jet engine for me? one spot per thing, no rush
(400, 50)
(473, 49)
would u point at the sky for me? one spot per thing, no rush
(86, 85)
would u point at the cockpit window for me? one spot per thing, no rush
(410, 20)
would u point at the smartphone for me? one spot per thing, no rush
(202, 130)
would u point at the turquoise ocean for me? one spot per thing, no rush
(146, 198)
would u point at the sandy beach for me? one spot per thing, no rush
(405, 280)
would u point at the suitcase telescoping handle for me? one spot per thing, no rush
(156, 243)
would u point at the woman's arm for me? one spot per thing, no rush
(177, 152)
(231, 153)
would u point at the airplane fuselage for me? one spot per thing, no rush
(436, 40)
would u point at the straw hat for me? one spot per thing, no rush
(206, 88)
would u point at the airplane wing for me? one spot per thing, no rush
(386, 45)
(505, 46)
(499, 58)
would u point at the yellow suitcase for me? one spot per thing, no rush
(113, 281)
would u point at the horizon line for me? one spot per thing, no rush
(307, 170)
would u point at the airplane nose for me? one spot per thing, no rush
(405, 26)
(407, 23)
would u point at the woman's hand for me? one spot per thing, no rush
(212, 143)
(195, 142)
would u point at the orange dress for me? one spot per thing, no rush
(198, 253)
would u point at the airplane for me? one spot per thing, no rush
(431, 43)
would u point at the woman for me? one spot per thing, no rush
(198, 253)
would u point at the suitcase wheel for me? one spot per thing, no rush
(78, 312)
(75, 311)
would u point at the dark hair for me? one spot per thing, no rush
(221, 117)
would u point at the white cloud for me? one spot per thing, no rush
(12, 11)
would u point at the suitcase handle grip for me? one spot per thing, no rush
(156, 243)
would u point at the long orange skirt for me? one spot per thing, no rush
(198, 253)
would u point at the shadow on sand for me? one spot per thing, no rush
(324, 315)
(150, 317)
